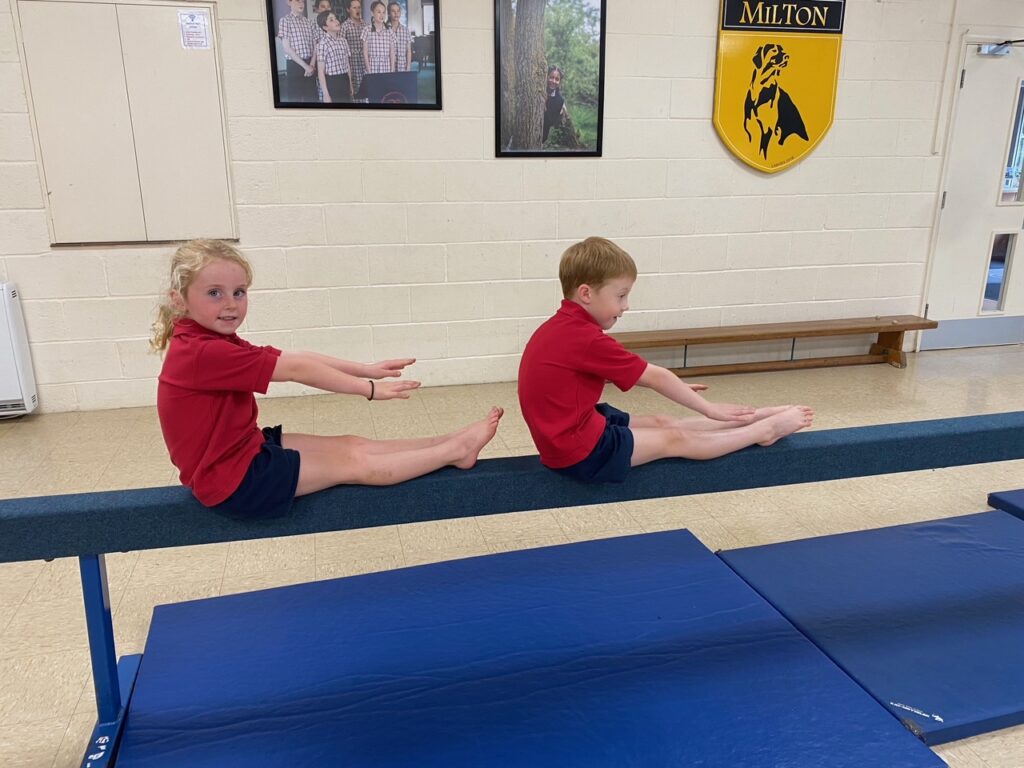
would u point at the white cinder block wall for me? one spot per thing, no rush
(389, 234)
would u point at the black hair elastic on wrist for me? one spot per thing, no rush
(371, 389)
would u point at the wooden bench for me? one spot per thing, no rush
(888, 348)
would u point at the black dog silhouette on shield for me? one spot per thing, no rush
(767, 104)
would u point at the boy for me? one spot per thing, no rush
(332, 61)
(569, 358)
(298, 37)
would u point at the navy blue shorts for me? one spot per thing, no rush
(609, 461)
(268, 488)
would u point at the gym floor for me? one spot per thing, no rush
(47, 708)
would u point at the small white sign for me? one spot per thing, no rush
(195, 29)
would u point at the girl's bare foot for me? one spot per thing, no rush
(787, 422)
(473, 438)
(771, 410)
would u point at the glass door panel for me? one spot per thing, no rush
(1011, 192)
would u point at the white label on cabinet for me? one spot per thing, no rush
(195, 29)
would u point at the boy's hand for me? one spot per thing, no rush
(394, 390)
(729, 412)
(697, 387)
(387, 368)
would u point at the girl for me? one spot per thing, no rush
(320, 6)
(554, 104)
(208, 412)
(352, 30)
(403, 38)
(332, 63)
(378, 43)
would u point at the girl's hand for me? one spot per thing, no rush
(730, 412)
(394, 390)
(697, 387)
(388, 368)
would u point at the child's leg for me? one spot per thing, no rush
(370, 445)
(650, 443)
(327, 461)
(405, 444)
(701, 422)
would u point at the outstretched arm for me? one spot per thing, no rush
(311, 369)
(667, 384)
(381, 370)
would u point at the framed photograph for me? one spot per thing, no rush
(355, 54)
(548, 77)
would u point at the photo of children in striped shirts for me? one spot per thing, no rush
(355, 53)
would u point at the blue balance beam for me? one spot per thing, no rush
(89, 525)
(48, 527)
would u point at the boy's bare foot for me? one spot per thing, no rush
(478, 434)
(788, 421)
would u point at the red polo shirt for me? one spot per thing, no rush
(561, 377)
(207, 409)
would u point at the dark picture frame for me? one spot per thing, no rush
(559, 112)
(405, 59)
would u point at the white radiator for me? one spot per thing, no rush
(17, 384)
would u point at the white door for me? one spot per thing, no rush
(974, 291)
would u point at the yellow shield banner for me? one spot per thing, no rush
(775, 81)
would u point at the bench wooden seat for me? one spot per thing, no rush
(888, 347)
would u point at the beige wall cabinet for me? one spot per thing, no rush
(129, 122)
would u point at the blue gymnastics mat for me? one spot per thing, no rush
(635, 651)
(1008, 501)
(928, 617)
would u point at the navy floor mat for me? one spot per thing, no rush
(635, 651)
(928, 617)
(1008, 501)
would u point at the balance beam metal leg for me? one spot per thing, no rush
(106, 736)
(101, 636)
(114, 683)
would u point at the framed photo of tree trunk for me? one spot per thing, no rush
(548, 77)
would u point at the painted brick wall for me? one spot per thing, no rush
(377, 235)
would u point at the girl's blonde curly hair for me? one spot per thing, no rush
(186, 263)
